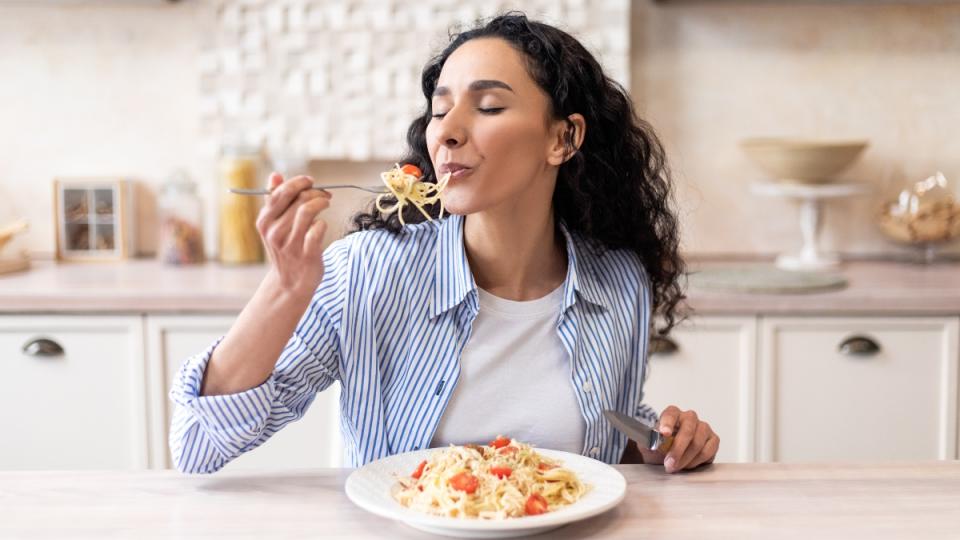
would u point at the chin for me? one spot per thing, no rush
(461, 202)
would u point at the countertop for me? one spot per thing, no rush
(742, 501)
(147, 286)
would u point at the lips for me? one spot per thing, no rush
(453, 167)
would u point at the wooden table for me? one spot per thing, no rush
(860, 501)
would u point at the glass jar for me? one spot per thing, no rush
(181, 221)
(240, 167)
(926, 214)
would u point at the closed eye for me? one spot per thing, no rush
(490, 110)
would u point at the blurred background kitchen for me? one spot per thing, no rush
(824, 280)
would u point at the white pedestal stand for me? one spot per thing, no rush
(811, 198)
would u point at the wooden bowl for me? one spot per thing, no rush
(806, 161)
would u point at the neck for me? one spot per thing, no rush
(517, 255)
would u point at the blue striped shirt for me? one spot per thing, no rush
(389, 322)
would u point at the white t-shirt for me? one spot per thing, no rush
(514, 379)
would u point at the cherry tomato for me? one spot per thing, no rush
(536, 504)
(416, 474)
(464, 481)
(500, 442)
(501, 472)
(546, 466)
(409, 168)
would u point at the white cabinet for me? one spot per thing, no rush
(313, 441)
(847, 388)
(707, 364)
(73, 395)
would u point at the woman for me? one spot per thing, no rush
(525, 313)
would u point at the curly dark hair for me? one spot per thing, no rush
(614, 189)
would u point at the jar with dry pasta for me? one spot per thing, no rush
(239, 240)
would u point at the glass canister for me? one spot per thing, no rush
(239, 240)
(181, 221)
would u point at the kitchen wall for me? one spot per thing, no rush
(118, 88)
(136, 89)
(708, 74)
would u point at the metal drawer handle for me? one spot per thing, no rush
(859, 346)
(43, 347)
(663, 345)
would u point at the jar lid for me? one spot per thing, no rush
(179, 182)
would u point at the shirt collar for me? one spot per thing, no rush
(454, 280)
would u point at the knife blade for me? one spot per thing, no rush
(645, 435)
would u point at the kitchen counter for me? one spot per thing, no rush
(742, 501)
(147, 286)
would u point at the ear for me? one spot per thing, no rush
(564, 133)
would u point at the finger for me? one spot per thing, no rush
(709, 452)
(304, 217)
(668, 420)
(688, 426)
(278, 230)
(700, 437)
(284, 195)
(275, 180)
(313, 240)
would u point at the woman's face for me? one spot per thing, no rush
(491, 117)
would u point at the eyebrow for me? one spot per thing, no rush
(475, 86)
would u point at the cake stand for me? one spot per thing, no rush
(811, 198)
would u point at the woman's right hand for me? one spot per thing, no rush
(292, 232)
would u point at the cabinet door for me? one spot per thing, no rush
(858, 389)
(313, 441)
(74, 392)
(708, 365)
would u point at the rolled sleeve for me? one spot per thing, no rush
(233, 421)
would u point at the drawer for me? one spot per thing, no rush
(710, 369)
(879, 388)
(75, 400)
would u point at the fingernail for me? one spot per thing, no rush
(670, 463)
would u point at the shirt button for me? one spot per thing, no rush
(587, 387)
(595, 451)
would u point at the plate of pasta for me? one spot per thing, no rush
(504, 488)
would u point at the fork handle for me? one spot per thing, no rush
(265, 191)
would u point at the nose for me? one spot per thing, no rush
(450, 130)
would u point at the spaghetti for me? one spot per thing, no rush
(407, 187)
(505, 479)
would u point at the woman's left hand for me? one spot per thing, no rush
(694, 441)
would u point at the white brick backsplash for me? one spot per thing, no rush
(296, 84)
(340, 79)
(208, 63)
(254, 61)
(254, 105)
(275, 18)
(315, 19)
(253, 40)
(296, 17)
(336, 15)
(230, 15)
(230, 101)
(230, 60)
(319, 82)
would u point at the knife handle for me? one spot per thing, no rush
(663, 443)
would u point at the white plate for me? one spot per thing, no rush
(369, 488)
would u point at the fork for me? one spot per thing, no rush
(265, 191)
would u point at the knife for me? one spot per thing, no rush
(646, 436)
